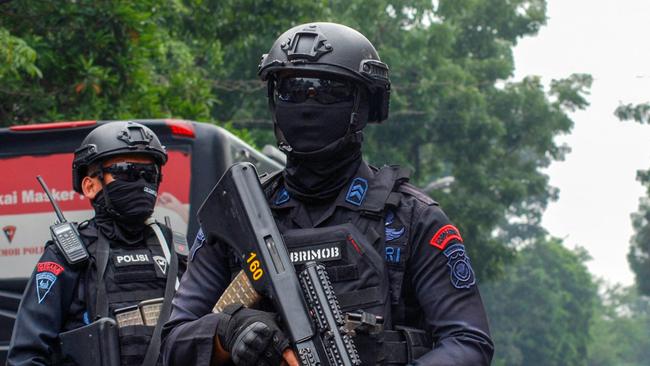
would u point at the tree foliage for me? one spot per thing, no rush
(453, 112)
(639, 253)
(633, 112)
(103, 60)
(620, 331)
(541, 311)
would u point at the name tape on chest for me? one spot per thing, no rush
(134, 258)
(318, 253)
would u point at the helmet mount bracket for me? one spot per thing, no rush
(135, 135)
(308, 43)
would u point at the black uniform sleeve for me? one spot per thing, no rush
(445, 286)
(43, 310)
(188, 336)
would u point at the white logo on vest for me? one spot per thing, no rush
(322, 253)
(161, 262)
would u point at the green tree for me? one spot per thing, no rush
(541, 310)
(639, 253)
(100, 60)
(620, 331)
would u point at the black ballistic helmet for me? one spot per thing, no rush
(333, 49)
(111, 139)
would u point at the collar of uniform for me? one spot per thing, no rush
(362, 191)
(281, 199)
(346, 198)
(372, 198)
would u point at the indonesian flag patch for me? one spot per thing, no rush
(444, 236)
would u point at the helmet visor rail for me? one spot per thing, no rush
(323, 90)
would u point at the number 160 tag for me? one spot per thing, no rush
(254, 266)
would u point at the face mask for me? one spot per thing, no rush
(129, 204)
(132, 201)
(311, 126)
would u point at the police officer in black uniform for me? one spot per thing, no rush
(390, 251)
(129, 269)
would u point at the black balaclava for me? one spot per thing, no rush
(122, 216)
(325, 149)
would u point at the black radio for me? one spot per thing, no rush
(65, 234)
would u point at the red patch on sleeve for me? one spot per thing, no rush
(443, 236)
(52, 267)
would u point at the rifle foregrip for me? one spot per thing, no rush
(326, 312)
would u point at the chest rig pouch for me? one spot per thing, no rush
(356, 270)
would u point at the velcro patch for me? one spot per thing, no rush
(282, 197)
(133, 258)
(391, 232)
(318, 253)
(53, 267)
(393, 254)
(357, 191)
(198, 243)
(46, 275)
(460, 268)
(444, 236)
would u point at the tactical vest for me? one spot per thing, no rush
(134, 276)
(367, 268)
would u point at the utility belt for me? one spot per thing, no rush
(404, 345)
(400, 346)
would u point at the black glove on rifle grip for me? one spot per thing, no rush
(252, 337)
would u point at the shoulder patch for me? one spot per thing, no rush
(46, 275)
(282, 197)
(444, 235)
(411, 190)
(198, 243)
(460, 268)
(357, 191)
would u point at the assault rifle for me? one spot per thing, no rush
(236, 212)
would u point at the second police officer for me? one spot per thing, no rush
(104, 310)
(407, 262)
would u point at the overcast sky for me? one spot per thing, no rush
(598, 189)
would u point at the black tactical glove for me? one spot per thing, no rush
(252, 337)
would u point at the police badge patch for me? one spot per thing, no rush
(462, 275)
(46, 275)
